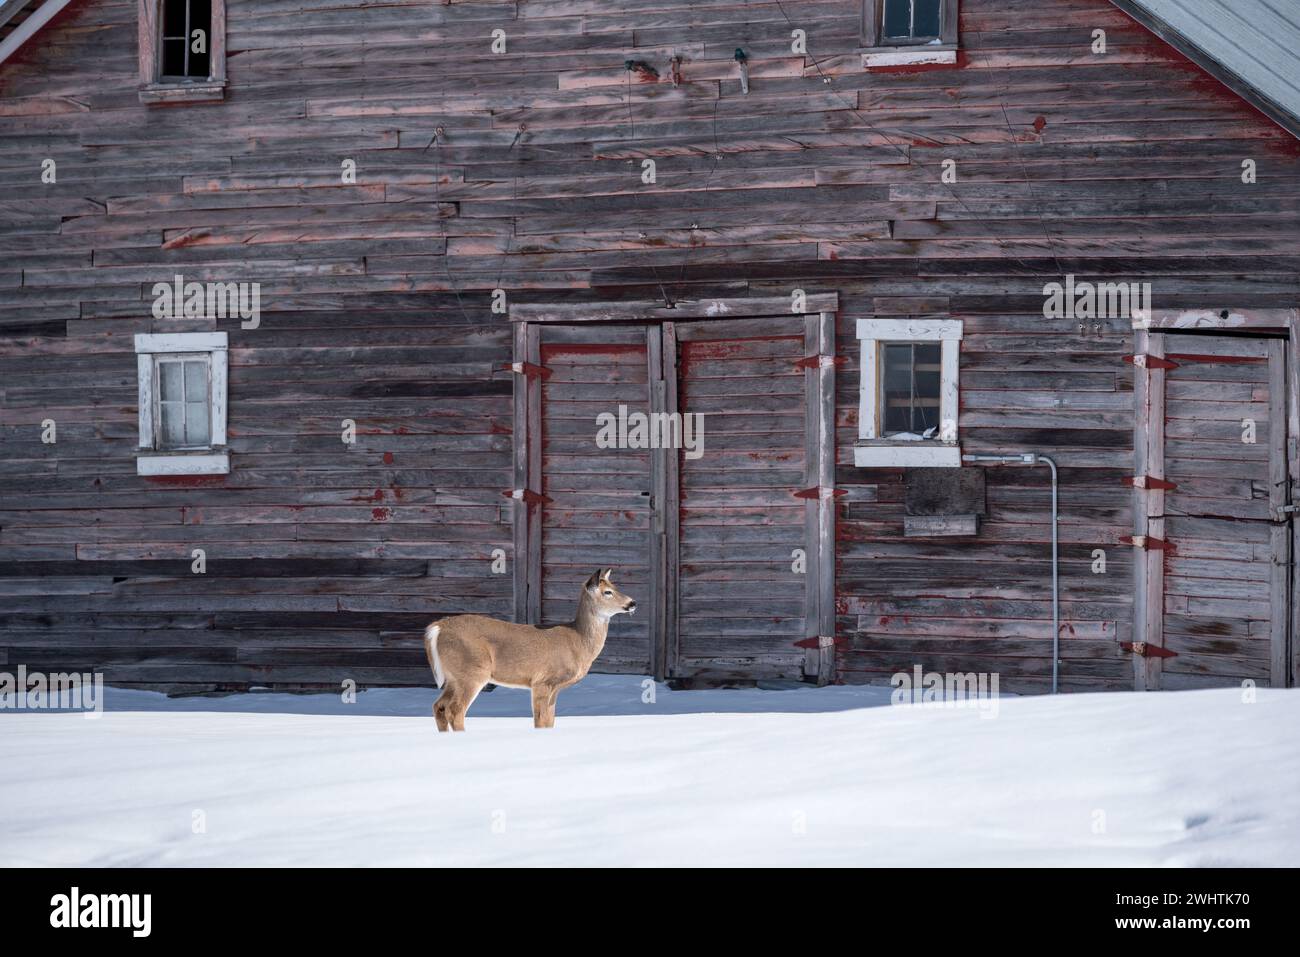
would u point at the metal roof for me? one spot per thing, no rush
(1253, 46)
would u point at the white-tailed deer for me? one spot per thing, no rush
(469, 651)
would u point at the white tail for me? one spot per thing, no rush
(431, 649)
(469, 651)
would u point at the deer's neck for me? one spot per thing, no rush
(591, 627)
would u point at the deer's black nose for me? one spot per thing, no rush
(631, 606)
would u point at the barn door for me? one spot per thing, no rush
(745, 600)
(597, 506)
(727, 544)
(1217, 566)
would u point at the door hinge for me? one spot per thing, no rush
(1150, 362)
(529, 370)
(1147, 542)
(527, 496)
(819, 492)
(1150, 483)
(820, 362)
(1144, 650)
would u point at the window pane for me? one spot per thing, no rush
(925, 18)
(898, 15)
(171, 381)
(173, 24)
(911, 386)
(200, 19)
(172, 431)
(196, 381)
(173, 58)
(196, 423)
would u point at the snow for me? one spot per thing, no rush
(832, 776)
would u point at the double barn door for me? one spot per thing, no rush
(723, 543)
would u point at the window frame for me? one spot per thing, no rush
(875, 450)
(211, 459)
(881, 51)
(154, 87)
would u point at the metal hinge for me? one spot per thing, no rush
(527, 496)
(820, 362)
(1150, 483)
(1144, 650)
(1147, 542)
(528, 370)
(1150, 362)
(819, 492)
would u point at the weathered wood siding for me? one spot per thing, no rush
(523, 171)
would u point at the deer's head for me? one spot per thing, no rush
(607, 600)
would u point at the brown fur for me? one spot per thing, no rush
(472, 651)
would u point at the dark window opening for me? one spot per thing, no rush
(186, 39)
(912, 20)
(911, 388)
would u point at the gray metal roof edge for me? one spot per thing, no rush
(1170, 34)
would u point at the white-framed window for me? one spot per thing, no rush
(909, 32)
(183, 387)
(908, 398)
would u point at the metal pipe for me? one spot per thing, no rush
(1033, 458)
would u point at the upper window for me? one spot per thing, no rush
(182, 379)
(182, 50)
(186, 31)
(908, 402)
(911, 21)
(896, 29)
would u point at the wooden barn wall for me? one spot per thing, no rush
(521, 171)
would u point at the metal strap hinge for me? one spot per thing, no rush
(529, 370)
(527, 496)
(1147, 542)
(1150, 362)
(820, 492)
(821, 641)
(1150, 483)
(820, 362)
(1144, 650)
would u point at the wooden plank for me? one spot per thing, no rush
(648, 309)
(656, 539)
(1281, 596)
(671, 512)
(824, 424)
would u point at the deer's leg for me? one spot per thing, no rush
(440, 710)
(465, 696)
(539, 706)
(550, 707)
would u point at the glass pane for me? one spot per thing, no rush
(925, 18)
(172, 431)
(171, 384)
(898, 15)
(196, 381)
(173, 58)
(897, 388)
(196, 423)
(200, 19)
(173, 23)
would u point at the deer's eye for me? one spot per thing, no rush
(608, 594)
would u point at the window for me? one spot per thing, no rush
(186, 27)
(182, 403)
(907, 411)
(909, 32)
(182, 50)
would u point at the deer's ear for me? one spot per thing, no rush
(593, 582)
(605, 576)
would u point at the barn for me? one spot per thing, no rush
(855, 335)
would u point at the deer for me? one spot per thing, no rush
(467, 652)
